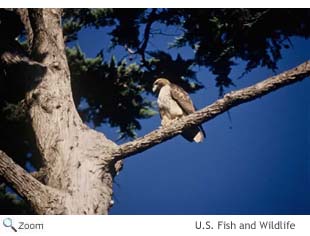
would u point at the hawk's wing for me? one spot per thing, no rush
(182, 98)
(195, 133)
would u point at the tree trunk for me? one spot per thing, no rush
(76, 158)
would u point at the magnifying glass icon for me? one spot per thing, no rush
(7, 222)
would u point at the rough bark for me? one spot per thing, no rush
(42, 198)
(79, 163)
(76, 158)
(230, 100)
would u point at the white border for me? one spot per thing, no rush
(140, 225)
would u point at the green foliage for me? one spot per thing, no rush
(178, 70)
(111, 90)
(256, 36)
(75, 19)
(126, 31)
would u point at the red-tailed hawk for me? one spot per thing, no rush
(173, 103)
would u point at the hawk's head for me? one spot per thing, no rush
(159, 83)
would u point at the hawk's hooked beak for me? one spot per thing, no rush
(155, 87)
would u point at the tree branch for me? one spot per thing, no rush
(229, 101)
(146, 37)
(40, 174)
(151, 19)
(39, 195)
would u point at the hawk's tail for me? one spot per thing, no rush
(200, 136)
(196, 134)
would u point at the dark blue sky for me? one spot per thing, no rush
(257, 163)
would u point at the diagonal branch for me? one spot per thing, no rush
(151, 19)
(39, 195)
(229, 101)
(146, 37)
